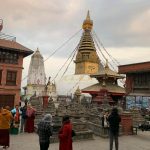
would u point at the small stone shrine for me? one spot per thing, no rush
(137, 117)
(95, 113)
(50, 107)
(36, 103)
(78, 117)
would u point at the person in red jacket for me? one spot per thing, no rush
(65, 134)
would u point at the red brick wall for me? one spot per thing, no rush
(12, 90)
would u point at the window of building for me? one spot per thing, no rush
(141, 79)
(8, 57)
(11, 77)
(0, 76)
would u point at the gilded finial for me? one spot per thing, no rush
(88, 23)
(106, 66)
(78, 91)
(88, 15)
(37, 53)
(49, 82)
(37, 49)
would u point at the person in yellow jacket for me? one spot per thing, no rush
(5, 120)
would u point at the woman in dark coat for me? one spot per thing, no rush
(45, 131)
(114, 120)
(65, 134)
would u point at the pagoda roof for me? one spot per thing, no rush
(15, 46)
(112, 88)
(106, 71)
(134, 68)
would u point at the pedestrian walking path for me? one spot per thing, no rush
(29, 141)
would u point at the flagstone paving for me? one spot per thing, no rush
(26, 141)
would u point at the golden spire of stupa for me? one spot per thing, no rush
(88, 16)
(88, 23)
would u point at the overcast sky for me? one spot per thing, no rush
(123, 26)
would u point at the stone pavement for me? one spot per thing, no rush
(29, 141)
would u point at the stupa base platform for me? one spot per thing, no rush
(83, 135)
(98, 130)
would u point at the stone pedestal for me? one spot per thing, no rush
(127, 123)
(50, 108)
(45, 101)
(137, 117)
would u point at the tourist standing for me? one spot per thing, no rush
(5, 119)
(23, 117)
(114, 119)
(16, 121)
(65, 134)
(105, 123)
(45, 131)
(29, 126)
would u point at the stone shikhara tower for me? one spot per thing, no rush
(36, 73)
(36, 81)
(36, 76)
(87, 60)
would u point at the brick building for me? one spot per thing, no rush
(137, 84)
(11, 65)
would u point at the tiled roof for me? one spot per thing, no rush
(107, 71)
(111, 88)
(12, 45)
(137, 67)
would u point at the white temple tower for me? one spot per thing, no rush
(36, 81)
(36, 75)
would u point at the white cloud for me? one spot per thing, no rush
(141, 24)
(130, 55)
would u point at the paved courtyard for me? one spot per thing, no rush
(26, 141)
